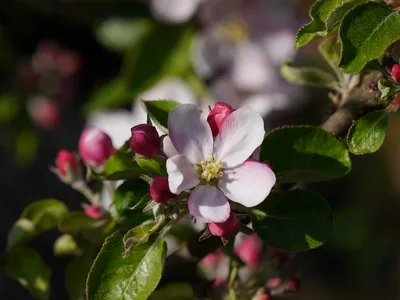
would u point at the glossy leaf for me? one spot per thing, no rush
(304, 154)
(122, 34)
(337, 15)
(136, 236)
(25, 265)
(76, 274)
(316, 29)
(159, 111)
(365, 33)
(368, 133)
(22, 231)
(151, 166)
(45, 214)
(126, 196)
(308, 76)
(294, 221)
(132, 278)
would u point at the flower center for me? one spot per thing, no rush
(211, 169)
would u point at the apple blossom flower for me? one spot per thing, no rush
(249, 250)
(217, 170)
(145, 140)
(95, 147)
(159, 189)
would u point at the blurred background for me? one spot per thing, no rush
(68, 64)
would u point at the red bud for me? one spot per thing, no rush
(159, 189)
(293, 285)
(67, 166)
(95, 147)
(396, 72)
(145, 140)
(225, 229)
(264, 296)
(218, 115)
(249, 250)
(94, 212)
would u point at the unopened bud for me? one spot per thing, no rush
(67, 166)
(44, 112)
(145, 140)
(159, 189)
(95, 147)
(264, 296)
(218, 115)
(225, 229)
(396, 72)
(94, 212)
(249, 250)
(273, 283)
(293, 285)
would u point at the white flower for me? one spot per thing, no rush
(221, 165)
(174, 11)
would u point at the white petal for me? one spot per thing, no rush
(190, 133)
(248, 184)
(208, 204)
(173, 11)
(168, 148)
(242, 132)
(181, 174)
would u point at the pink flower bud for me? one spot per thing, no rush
(394, 3)
(293, 285)
(44, 112)
(95, 147)
(396, 72)
(220, 282)
(94, 212)
(264, 296)
(145, 140)
(218, 115)
(212, 259)
(159, 189)
(67, 167)
(273, 283)
(225, 229)
(249, 250)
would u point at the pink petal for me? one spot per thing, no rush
(242, 132)
(190, 133)
(248, 184)
(181, 174)
(208, 204)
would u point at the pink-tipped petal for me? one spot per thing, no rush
(181, 174)
(248, 184)
(208, 204)
(190, 133)
(242, 132)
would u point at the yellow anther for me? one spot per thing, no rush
(211, 169)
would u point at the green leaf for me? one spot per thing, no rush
(132, 278)
(366, 32)
(121, 34)
(22, 231)
(329, 50)
(127, 195)
(120, 165)
(294, 220)
(45, 213)
(26, 266)
(76, 274)
(66, 245)
(159, 111)
(308, 76)
(305, 154)
(10, 107)
(151, 166)
(174, 291)
(339, 12)
(368, 133)
(316, 29)
(79, 224)
(136, 236)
